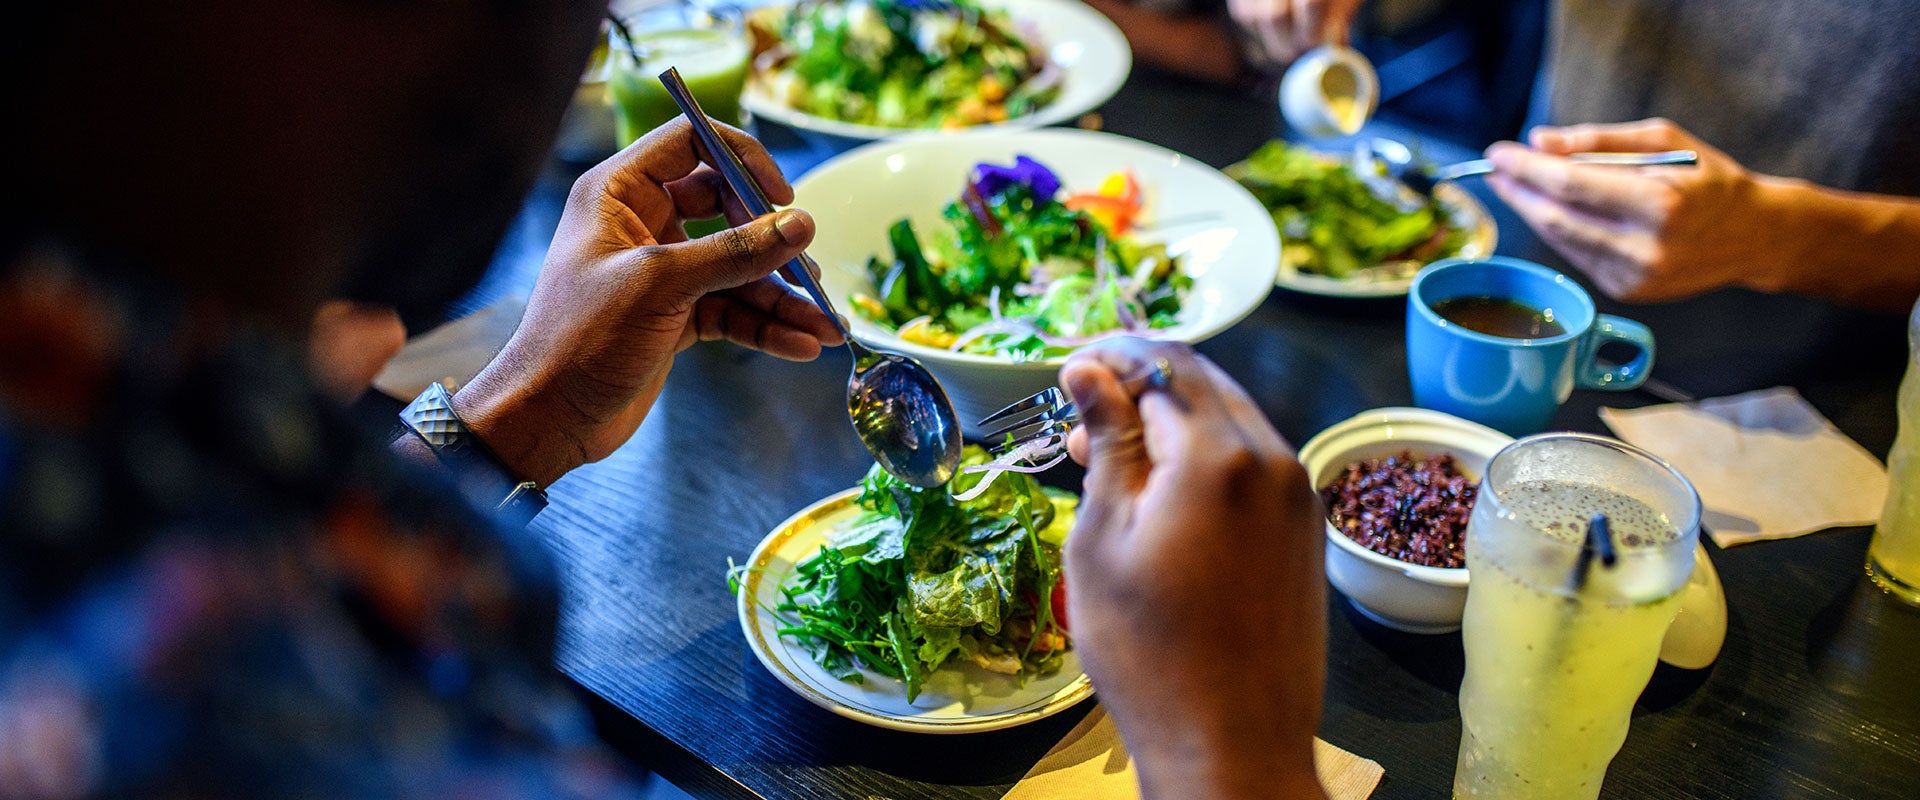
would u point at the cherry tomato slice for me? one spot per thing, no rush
(1059, 602)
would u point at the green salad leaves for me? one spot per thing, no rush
(1331, 223)
(903, 63)
(1019, 272)
(921, 580)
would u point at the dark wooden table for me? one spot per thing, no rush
(1817, 693)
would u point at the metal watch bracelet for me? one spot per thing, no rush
(480, 474)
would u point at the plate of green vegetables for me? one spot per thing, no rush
(874, 69)
(911, 609)
(1344, 236)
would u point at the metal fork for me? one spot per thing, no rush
(1398, 159)
(1049, 413)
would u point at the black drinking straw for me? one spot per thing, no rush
(1598, 544)
(626, 36)
(802, 268)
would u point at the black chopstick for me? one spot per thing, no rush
(802, 268)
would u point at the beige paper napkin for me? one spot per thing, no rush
(452, 353)
(1091, 763)
(1766, 463)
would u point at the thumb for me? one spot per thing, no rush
(730, 258)
(1114, 442)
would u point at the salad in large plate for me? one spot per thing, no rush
(925, 579)
(1017, 270)
(901, 63)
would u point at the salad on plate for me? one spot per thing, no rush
(901, 63)
(1016, 270)
(1332, 222)
(923, 580)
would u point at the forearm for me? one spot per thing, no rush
(1850, 247)
(1196, 45)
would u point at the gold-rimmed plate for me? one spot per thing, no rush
(956, 699)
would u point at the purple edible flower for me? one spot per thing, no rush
(992, 180)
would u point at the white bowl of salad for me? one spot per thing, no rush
(873, 69)
(990, 256)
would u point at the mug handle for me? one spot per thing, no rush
(1609, 328)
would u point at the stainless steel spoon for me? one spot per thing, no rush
(898, 408)
(1398, 160)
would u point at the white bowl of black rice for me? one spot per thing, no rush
(1398, 485)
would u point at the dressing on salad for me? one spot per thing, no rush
(1018, 271)
(921, 580)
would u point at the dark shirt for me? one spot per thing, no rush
(214, 585)
(1826, 91)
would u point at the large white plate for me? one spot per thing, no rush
(1091, 53)
(1394, 279)
(956, 700)
(1223, 236)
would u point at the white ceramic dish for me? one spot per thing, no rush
(1225, 238)
(1394, 593)
(956, 700)
(1090, 51)
(1418, 599)
(1394, 278)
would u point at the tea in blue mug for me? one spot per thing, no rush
(1504, 342)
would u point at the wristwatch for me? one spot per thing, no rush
(481, 475)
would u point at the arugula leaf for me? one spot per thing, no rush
(912, 669)
(875, 539)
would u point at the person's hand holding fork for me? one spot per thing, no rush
(1194, 576)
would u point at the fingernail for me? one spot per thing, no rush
(1078, 382)
(1077, 386)
(794, 226)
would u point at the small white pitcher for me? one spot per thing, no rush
(1329, 91)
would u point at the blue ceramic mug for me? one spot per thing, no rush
(1513, 385)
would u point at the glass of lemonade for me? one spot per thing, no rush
(1893, 561)
(1555, 660)
(709, 49)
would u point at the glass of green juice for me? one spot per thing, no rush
(709, 49)
(1557, 653)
